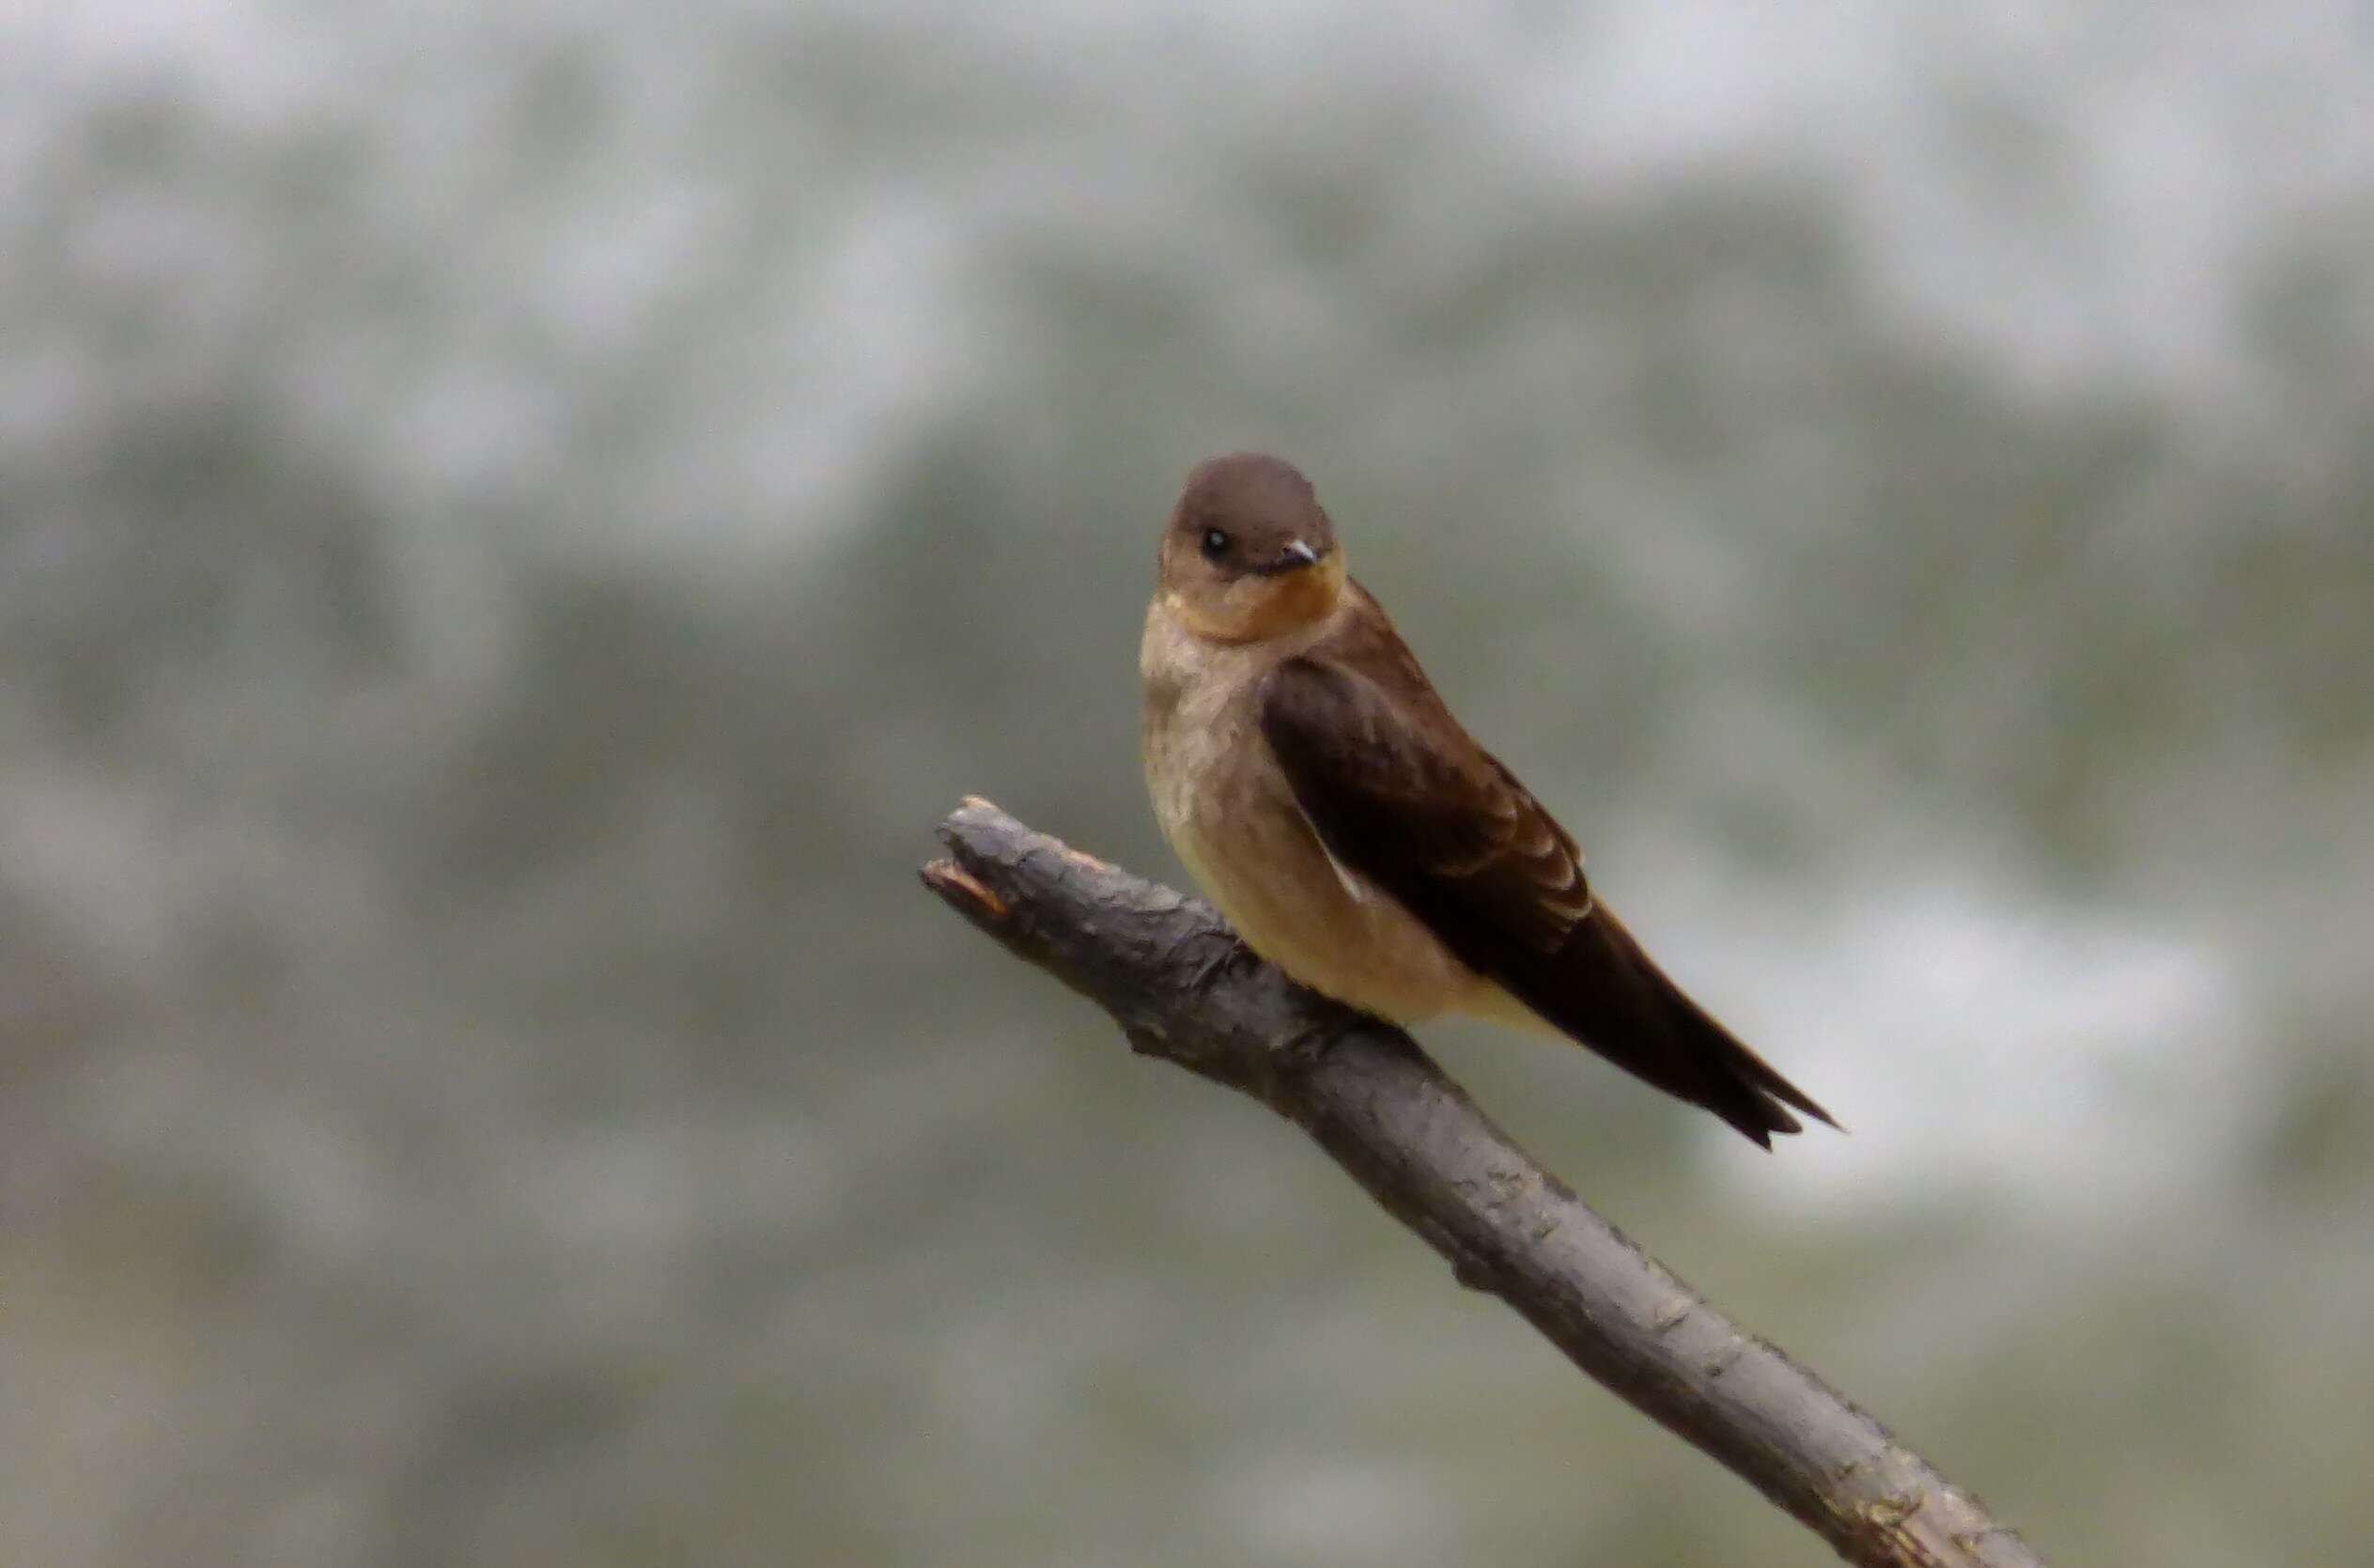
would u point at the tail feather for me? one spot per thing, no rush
(1608, 994)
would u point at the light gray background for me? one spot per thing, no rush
(515, 519)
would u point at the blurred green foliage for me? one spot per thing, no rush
(513, 526)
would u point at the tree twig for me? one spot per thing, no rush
(1183, 988)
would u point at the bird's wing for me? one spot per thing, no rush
(1401, 794)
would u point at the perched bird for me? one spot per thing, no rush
(1306, 771)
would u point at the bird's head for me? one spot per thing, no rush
(1248, 553)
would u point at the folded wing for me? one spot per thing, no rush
(1401, 794)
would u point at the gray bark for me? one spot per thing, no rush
(1184, 988)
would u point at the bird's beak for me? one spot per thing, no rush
(1296, 554)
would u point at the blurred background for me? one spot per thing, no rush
(514, 521)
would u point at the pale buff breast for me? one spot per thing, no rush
(1226, 808)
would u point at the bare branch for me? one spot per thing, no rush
(1182, 987)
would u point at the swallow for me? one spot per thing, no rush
(1317, 788)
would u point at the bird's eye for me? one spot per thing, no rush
(1215, 544)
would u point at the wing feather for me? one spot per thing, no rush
(1399, 793)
